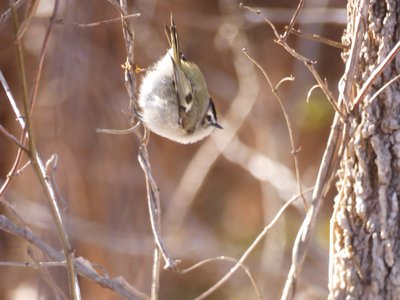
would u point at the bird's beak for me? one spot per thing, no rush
(216, 125)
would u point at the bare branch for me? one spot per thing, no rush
(379, 69)
(308, 63)
(82, 266)
(378, 92)
(318, 38)
(94, 24)
(249, 250)
(310, 91)
(4, 17)
(288, 125)
(154, 207)
(346, 83)
(230, 259)
(293, 20)
(12, 138)
(289, 78)
(307, 228)
(39, 167)
(32, 7)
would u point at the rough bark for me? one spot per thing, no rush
(365, 261)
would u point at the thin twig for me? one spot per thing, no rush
(4, 17)
(38, 76)
(378, 92)
(68, 23)
(346, 82)
(82, 266)
(119, 131)
(292, 21)
(318, 38)
(58, 292)
(295, 150)
(378, 70)
(22, 139)
(14, 168)
(154, 207)
(249, 250)
(289, 78)
(12, 101)
(31, 10)
(307, 228)
(310, 91)
(304, 235)
(307, 62)
(51, 167)
(155, 282)
(151, 186)
(230, 259)
(12, 138)
(33, 265)
(40, 169)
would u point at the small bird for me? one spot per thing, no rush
(173, 97)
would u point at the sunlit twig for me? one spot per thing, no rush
(93, 24)
(82, 266)
(230, 259)
(288, 124)
(310, 91)
(249, 250)
(292, 21)
(39, 168)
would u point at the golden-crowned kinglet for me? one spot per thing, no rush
(173, 97)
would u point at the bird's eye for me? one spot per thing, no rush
(209, 118)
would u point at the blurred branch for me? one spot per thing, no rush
(12, 138)
(263, 168)
(51, 166)
(4, 16)
(31, 10)
(38, 76)
(33, 265)
(44, 272)
(21, 121)
(116, 241)
(19, 116)
(82, 266)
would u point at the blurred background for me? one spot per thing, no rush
(217, 195)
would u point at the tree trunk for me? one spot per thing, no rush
(365, 250)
